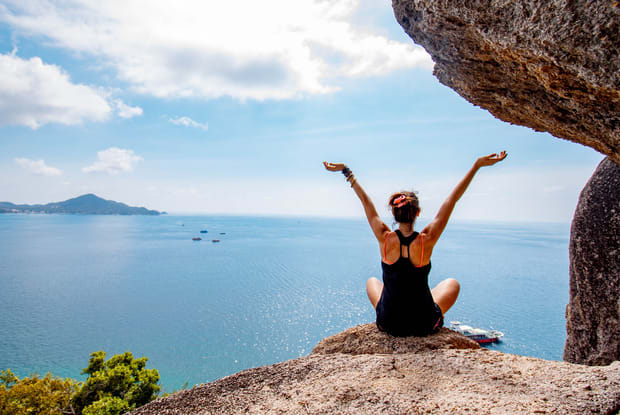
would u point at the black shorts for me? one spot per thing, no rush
(422, 325)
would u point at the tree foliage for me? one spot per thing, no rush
(32, 395)
(113, 387)
(121, 378)
(107, 406)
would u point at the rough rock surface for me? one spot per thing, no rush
(552, 65)
(366, 339)
(439, 381)
(593, 312)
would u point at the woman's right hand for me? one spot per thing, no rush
(334, 166)
(491, 159)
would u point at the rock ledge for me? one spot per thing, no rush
(433, 380)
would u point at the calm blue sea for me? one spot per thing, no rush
(268, 292)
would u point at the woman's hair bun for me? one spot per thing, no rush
(405, 206)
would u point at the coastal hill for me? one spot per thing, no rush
(88, 204)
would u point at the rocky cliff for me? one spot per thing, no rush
(551, 65)
(364, 371)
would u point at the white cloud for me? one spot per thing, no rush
(188, 122)
(38, 167)
(113, 160)
(125, 111)
(33, 93)
(270, 49)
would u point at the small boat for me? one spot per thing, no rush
(196, 239)
(476, 334)
(203, 231)
(222, 233)
(215, 240)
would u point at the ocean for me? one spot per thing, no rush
(269, 291)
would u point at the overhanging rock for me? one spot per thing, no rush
(550, 65)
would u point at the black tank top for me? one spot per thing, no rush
(406, 306)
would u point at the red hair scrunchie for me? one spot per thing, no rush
(400, 201)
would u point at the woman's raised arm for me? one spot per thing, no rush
(434, 229)
(379, 228)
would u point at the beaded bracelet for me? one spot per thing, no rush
(351, 179)
(347, 172)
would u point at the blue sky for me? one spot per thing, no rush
(203, 107)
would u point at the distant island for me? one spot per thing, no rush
(88, 204)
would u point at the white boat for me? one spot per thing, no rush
(476, 334)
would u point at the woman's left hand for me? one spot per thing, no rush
(334, 166)
(491, 159)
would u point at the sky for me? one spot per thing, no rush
(206, 107)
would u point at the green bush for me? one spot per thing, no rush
(113, 387)
(107, 406)
(121, 378)
(32, 395)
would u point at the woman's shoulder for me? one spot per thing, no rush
(390, 235)
(427, 235)
(390, 240)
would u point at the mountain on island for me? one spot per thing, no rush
(89, 204)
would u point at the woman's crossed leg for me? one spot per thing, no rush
(444, 294)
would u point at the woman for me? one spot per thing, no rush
(404, 304)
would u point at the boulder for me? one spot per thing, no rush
(432, 380)
(593, 312)
(366, 339)
(550, 65)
